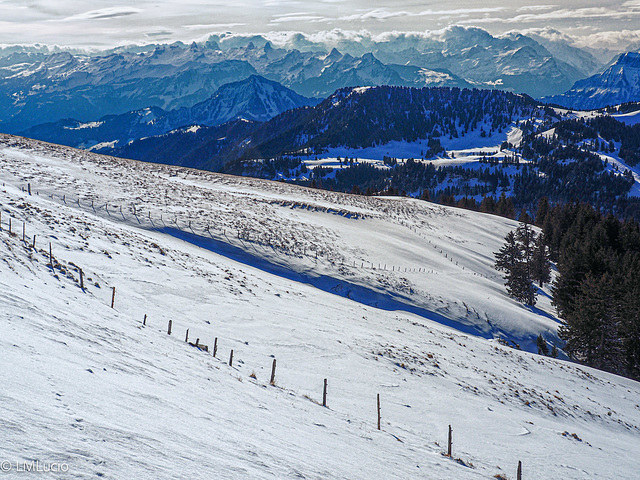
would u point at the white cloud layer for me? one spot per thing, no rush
(106, 23)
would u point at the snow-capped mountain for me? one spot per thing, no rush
(388, 297)
(48, 88)
(512, 62)
(86, 88)
(561, 48)
(254, 98)
(38, 87)
(620, 83)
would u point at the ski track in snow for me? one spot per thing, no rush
(88, 386)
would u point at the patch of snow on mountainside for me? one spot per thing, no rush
(630, 118)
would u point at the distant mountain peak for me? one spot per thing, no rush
(620, 83)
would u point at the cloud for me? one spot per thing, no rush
(213, 26)
(547, 33)
(566, 14)
(617, 40)
(104, 13)
(536, 8)
(297, 18)
(385, 13)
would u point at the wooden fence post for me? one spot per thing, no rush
(186, 337)
(50, 256)
(378, 411)
(519, 477)
(169, 329)
(231, 359)
(113, 297)
(324, 394)
(23, 232)
(81, 278)
(29, 188)
(215, 346)
(144, 320)
(273, 373)
(449, 442)
(34, 242)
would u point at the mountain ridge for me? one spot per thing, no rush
(255, 99)
(617, 84)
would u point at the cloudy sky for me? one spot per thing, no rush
(107, 23)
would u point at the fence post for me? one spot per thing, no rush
(186, 337)
(23, 232)
(169, 329)
(215, 346)
(378, 411)
(231, 359)
(29, 188)
(519, 477)
(449, 442)
(10, 226)
(113, 297)
(81, 278)
(273, 373)
(324, 394)
(144, 320)
(34, 242)
(50, 256)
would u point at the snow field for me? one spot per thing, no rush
(88, 385)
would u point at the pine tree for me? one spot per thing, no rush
(592, 329)
(540, 265)
(509, 255)
(519, 284)
(522, 286)
(542, 212)
(514, 258)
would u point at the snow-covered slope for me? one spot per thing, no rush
(275, 271)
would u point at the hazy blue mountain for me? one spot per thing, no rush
(254, 98)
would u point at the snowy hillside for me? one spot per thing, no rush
(385, 296)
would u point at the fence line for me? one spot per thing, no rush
(54, 263)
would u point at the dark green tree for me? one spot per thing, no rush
(540, 264)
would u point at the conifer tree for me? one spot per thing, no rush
(509, 255)
(592, 330)
(540, 265)
(514, 258)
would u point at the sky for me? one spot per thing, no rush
(108, 23)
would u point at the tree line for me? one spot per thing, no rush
(597, 289)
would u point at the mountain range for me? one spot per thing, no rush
(40, 87)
